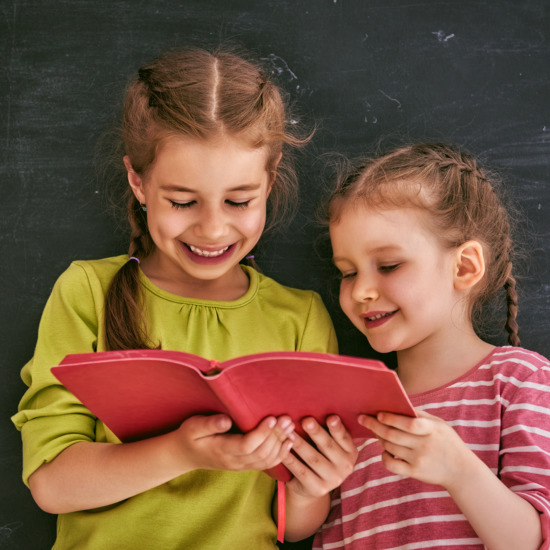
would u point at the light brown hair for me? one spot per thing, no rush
(465, 202)
(202, 95)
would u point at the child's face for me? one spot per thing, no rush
(397, 286)
(206, 209)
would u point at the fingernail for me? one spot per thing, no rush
(272, 422)
(285, 423)
(309, 425)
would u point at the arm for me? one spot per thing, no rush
(428, 449)
(322, 470)
(91, 474)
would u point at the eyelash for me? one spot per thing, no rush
(388, 268)
(182, 205)
(384, 269)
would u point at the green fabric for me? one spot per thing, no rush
(202, 509)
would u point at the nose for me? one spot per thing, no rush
(211, 222)
(364, 288)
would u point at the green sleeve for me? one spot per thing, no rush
(319, 334)
(50, 418)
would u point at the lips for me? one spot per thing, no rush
(207, 253)
(207, 256)
(376, 319)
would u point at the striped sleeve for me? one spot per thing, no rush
(525, 436)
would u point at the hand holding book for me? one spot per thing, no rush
(142, 393)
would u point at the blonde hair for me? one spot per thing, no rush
(464, 201)
(201, 95)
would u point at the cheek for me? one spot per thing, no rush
(253, 223)
(346, 303)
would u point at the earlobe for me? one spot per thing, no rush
(470, 265)
(134, 180)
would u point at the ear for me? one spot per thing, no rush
(470, 265)
(134, 180)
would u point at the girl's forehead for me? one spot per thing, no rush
(376, 227)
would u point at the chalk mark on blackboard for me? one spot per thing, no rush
(442, 37)
(6, 531)
(391, 98)
(279, 66)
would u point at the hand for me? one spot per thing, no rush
(204, 443)
(424, 448)
(323, 468)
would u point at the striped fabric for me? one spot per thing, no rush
(501, 409)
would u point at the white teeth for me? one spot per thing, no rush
(206, 253)
(379, 316)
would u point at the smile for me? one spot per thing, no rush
(377, 319)
(378, 316)
(207, 253)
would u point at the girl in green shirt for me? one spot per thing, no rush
(204, 139)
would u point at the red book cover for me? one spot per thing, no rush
(142, 393)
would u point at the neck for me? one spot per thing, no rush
(430, 365)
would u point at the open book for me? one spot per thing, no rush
(142, 393)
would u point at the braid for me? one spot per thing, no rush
(124, 299)
(511, 326)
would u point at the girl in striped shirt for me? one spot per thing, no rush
(423, 241)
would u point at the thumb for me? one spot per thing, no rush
(204, 426)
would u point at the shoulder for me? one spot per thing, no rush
(520, 361)
(91, 272)
(269, 287)
(517, 370)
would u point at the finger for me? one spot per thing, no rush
(422, 425)
(332, 443)
(388, 434)
(340, 433)
(270, 433)
(205, 426)
(396, 465)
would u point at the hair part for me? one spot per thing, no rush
(464, 202)
(203, 95)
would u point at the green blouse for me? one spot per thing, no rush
(202, 509)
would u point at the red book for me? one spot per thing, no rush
(142, 393)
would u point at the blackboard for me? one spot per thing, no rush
(476, 72)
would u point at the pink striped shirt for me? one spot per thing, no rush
(501, 410)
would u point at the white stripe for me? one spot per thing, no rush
(514, 356)
(475, 423)
(443, 404)
(535, 386)
(528, 407)
(399, 525)
(374, 483)
(527, 469)
(528, 429)
(367, 463)
(436, 544)
(396, 501)
(486, 448)
(524, 449)
(497, 376)
(527, 487)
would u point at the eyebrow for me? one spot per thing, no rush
(377, 250)
(181, 189)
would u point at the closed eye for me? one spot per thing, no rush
(181, 204)
(236, 204)
(388, 268)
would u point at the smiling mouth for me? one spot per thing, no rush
(207, 253)
(379, 316)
